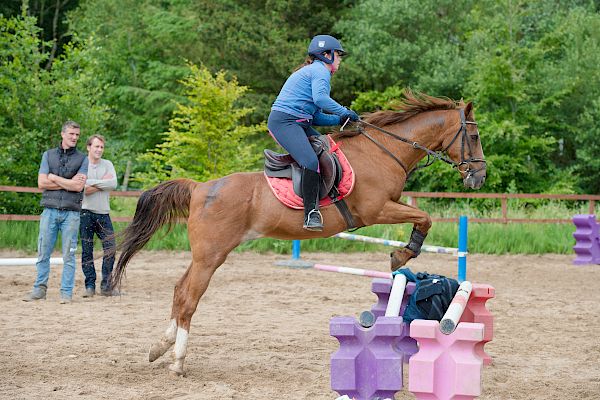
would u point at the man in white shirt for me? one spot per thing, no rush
(95, 218)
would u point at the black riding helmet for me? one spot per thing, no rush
(321, 44)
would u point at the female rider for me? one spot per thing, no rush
(300, 104)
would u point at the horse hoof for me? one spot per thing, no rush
(176, 371)
(395, 266)
(152, 356)
(156, 350)
(399, 258)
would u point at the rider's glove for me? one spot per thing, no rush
(348, 115)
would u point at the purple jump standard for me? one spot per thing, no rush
(587, 240)
(367, 366)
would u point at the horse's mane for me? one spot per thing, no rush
(411, 104)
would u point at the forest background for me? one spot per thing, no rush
(183, 87)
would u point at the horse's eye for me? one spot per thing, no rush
(474, 138)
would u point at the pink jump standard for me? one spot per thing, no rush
(443, 367)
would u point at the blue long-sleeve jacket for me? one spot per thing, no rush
(305, 94)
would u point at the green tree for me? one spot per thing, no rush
(205, 139)
(50, 17)
(537, 73)
(137, 61)
(588, 148)
(530, 67)
(35, 102)
(374, 100)
(569, 87)
(408, 43)
(142, 45)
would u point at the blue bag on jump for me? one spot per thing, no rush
(432, 296)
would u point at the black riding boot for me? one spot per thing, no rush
(311, 182)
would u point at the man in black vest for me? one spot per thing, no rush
(62, 176)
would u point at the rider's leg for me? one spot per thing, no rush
(292, 134)
(311, 182)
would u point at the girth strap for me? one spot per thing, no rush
(342, 207)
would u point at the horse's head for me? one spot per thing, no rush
(463, 146)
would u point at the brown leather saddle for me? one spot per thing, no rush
(279, 165)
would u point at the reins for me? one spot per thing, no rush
(430, 153)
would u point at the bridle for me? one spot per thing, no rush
(433, 155)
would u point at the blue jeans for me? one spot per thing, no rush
(101, 225)
(51, 222)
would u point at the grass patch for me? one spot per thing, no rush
(509, 238)
(483, 238)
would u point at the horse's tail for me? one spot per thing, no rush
(161, 205)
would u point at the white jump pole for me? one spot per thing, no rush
(395, 243)
(396, 295)
(456, 308)
(353, 271)
(26, 261)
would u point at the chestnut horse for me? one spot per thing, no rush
(225, 212)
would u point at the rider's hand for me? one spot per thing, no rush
(348, 115)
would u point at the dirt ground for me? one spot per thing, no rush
(262, 331)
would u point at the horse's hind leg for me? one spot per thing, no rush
(218, 222)
(168, 339)
(190, 289)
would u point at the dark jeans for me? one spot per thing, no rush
(101, 225)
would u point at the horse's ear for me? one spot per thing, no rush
(469, 109)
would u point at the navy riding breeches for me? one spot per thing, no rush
(292, 134)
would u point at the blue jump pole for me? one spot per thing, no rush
(463, 223)
(295, 249)
(295, 261)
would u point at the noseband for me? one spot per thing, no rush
(433, 155)
(462, 131)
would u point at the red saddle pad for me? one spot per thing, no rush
(282, 187)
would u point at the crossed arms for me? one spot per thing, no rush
(54, 182)
(107, 182)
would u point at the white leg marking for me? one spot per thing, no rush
(181, 344)
(179, 351)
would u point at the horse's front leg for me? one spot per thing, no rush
(166, 341)
(398, 213)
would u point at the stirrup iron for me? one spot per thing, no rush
(315, 226)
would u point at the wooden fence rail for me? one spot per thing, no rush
(23, 189)
(413, 199)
